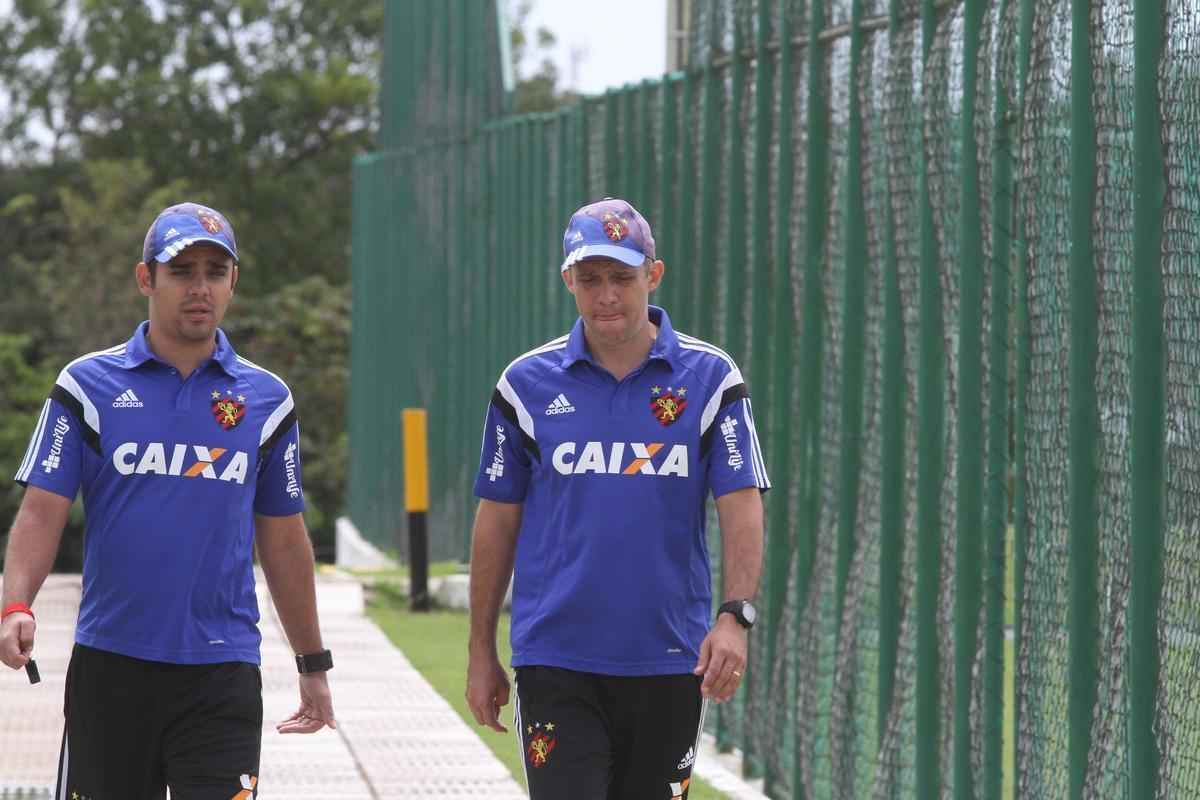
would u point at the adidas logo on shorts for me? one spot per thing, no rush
(688, 759)
(127, 399)
(559, 405)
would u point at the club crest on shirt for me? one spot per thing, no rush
(667, 406)
(227, 409)
(541, 743)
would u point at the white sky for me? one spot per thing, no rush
(617, 41)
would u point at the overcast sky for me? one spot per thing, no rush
(618, 41)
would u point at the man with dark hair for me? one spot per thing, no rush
(600, 449)
(187, 456)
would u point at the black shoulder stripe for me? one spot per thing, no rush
(68, 401)
(281, 430)
(505, 407)
(509, 413)
(731, 395)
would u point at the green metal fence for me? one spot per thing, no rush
(955, 247)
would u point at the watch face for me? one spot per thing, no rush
(749, 612)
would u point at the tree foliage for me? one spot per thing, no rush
(535, 90)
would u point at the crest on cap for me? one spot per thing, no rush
(209, 221)
(615, 226)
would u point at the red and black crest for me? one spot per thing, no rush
(615, 227)
(210, 223)
(227, 411)
(541, 744)
(668, 406)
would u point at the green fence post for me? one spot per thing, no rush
(734, 338)
(930, 397)
(891, 490)
(685, 223)
(710, 183)
(1147, 468)
(645, 151)
(968, 575)
(996, 523)
(1084, 430)
(812, 336)
(612, 144)
(669, 225)
(1022, 367)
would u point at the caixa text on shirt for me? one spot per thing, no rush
(621, 458)
(185, 461)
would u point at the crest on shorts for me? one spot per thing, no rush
(677, 789)
(615, 227)
(228, 410)
(248, 783)
(210, 222)
(667, 406)
(541, 743)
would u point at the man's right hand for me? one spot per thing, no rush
(16, 639)
(487, 689)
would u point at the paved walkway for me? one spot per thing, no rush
(397, 738)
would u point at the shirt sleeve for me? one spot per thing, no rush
(279, 492)
(504, 461)
(735, 457)
(54, 458)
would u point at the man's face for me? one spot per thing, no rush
(612, 297)
(189, 294)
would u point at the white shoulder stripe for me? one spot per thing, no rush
(281, 411)
(35, 444)
(508, 393)
(553, 344)
(91, 417)
(756, 457)
(733, 378)
(112, 351)
(692, 343)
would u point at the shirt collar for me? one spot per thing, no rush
(138, 352)
(665, 347)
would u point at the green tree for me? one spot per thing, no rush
(261, 103)
(537, 90)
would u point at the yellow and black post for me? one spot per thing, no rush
(416, 502)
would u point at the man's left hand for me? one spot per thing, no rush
(316, 706)
(722, 659)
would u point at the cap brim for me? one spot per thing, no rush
(623, 254)
(179, 245)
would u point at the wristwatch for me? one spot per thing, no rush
(315, 662)
(743, 611)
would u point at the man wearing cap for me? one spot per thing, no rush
(600, 449)
(187, 455)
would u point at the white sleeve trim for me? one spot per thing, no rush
(756, 457)
(276, 417)
(35, 444)
(510, 394)
(714, 403)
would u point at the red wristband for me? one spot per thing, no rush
(14, 608)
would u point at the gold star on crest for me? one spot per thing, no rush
(655, 390)
(549, 726)
(682, 391)
(529, 729)
(241, 398)
(216, 395)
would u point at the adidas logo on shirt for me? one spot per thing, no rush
(127, 399)
(559, 405)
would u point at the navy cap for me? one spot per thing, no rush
(610, 228)
(183, 225)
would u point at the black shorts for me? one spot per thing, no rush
(603, 737)
(135, 727)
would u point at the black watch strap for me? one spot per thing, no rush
(737, 609)
(315, 662)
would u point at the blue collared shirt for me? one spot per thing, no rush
(172, 472)
(612, 570)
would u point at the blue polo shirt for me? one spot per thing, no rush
(612, 571)
(172, 473)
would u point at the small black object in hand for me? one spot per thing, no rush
(32, 671)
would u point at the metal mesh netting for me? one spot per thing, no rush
(1043, 195)
(830, 706)
(1178, 701)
